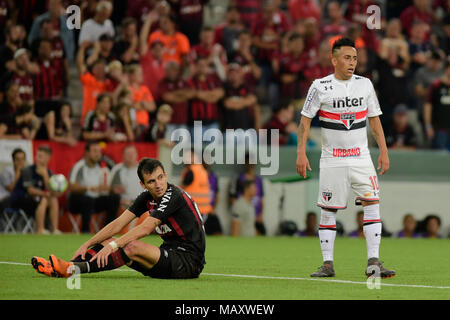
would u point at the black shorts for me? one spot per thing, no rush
(27, 203)
(174, 263)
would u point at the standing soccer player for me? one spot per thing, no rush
(343, 102)
(173, 215)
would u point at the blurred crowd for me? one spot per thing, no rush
(147, 67)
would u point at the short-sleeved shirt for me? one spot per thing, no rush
(93, 123)
(127, 177)
(236, 190)
(86, 176)
(238, 119)
(28, 178)
(181, 222)
(6, 178)
(91, 30)
(142, 93)
(175, 45)
(181, 109)
(91, 89)
(439, 97)
(243, 211)
(200, 110)
(343, 108)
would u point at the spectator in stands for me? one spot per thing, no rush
(245, 56)
(11, 100)
(323, 66)
(127, 47)
(311, 225)
(140, 9)
(58, 20)
(156, 131)
(432, 224)
(100, 124)
(257, 200)
(209, 90)
(143, 101)
(32, 193)
(9, 177)
(282, 120)
(303, 9)
(357, 12)
(289, 67)
(22, 76)
(394, 40)
(442, 35)
(249, 11)
(359, 232)
(227, 32)
(336, 23)
(153, 68)
(59, 125)
(195, 181)
(409, 227)
(243, 212)
(189, 15)
(419, 46)
(58, 53)
(124, 180)
(124, 124)
(22, 124)
(8, 48)
(437, 111)
(365, 66)
(400, 134)
(176, 44)
(93, 28)
(94, 82)
(89, 190)
(214, 53)
(102, 49)
(212, 223)
(48, 83)
(240, 106)
(420, 10)
(117, 80)
(177, 93)
(425, 76)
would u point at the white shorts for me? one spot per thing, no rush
(335, 185)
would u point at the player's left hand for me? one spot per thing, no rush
(102, 256)
(383, 163)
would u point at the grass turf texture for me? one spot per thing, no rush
(417, 262)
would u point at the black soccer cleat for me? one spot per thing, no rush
(373, 264)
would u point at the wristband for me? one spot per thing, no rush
(113, 245)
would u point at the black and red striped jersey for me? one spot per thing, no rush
(181, 221)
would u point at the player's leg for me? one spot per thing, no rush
(365, 185)
(333, 194)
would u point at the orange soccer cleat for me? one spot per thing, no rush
(43, 266)
(62, 268)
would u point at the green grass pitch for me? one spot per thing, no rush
(262, 268)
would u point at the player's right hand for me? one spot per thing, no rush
(302, 165)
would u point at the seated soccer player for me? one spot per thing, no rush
(173, 215)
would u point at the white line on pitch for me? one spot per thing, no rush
(279, 278)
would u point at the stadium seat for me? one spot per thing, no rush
(14, 219)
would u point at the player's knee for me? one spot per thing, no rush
(132, 248)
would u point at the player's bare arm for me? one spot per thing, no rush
(138, 232)
(378, 133)
(106, 232)
(302, 134)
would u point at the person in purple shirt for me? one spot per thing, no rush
(358, 233)
(409, 227)
(212, 224)
(311, 226)
(258, 200)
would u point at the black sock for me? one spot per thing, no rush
(115, 260)
(90, 253)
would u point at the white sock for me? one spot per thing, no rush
(372, 230)
(327, 234)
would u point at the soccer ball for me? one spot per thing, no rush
(58, 183)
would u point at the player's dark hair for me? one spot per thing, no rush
(16, 151)
(342, 42)
(46, 149)
(148, 165)
(89, 144)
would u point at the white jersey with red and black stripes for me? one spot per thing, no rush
(343, 107)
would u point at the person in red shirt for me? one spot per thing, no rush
(336, 24)
(282, 120)
(100, 124)
(209, 90)
(249, 10)
(323, 66)
(23, 77)
(153, 68)
(419, 10)
(177, 93)
(189, 16)
(303, 9)
(227, 32)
